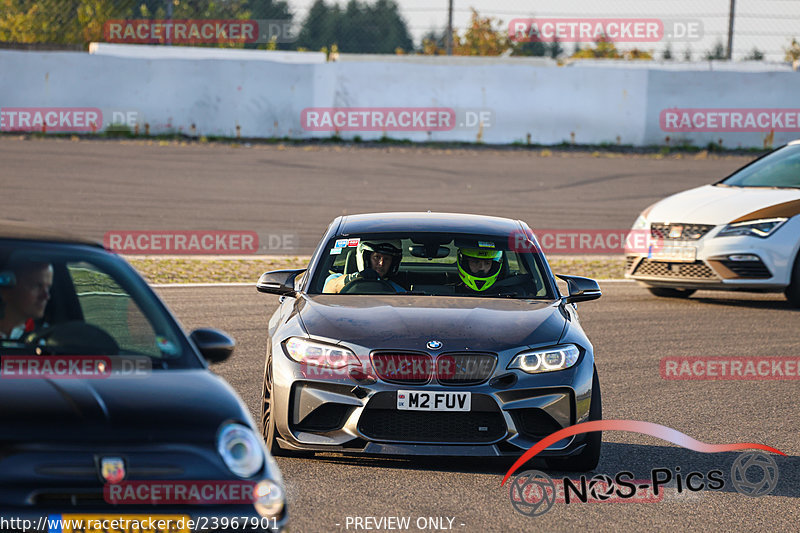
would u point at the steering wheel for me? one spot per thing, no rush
(516, 279)
(518, 283)
(368, 286)
(73, 338)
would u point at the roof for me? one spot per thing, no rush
(17, 230)
(427, 222)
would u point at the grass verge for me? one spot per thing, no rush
(221, 270)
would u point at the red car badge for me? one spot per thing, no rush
(112, 469)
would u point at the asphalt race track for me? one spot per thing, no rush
(631, 331)
(93, 187)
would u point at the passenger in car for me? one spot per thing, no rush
(24, 294)
(478, 269)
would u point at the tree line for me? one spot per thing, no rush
(359, 27)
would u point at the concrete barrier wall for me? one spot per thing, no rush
(549, 104)
(750, 90)
(265, 97)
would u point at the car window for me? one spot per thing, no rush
(430, 266)
(68, 300)
(778, 169)
(107, 305)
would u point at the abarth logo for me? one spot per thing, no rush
(434, 345)
(112, 469)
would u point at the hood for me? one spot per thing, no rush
(409, 322)
(717, 205)
(166, 406)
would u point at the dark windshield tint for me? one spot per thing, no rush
(778, 169)
(72, 300)
(430, 265)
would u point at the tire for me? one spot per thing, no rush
(671, 293)
(587, 459)
(268, 430)
(792, 292)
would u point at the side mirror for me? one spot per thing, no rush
(581, 289)
(280, 282)
(214, 345)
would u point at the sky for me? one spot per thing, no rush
(768, 25)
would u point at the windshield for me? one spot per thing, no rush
(74, 301)
(434, 264)
(781, 168)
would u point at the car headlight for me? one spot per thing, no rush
(638, 238)
(546, 359)
(753, 228)
(306, 351)
(240, 449)
(268, 498)
(641, 223)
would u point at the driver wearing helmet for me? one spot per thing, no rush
(478, 269)
(376, 260)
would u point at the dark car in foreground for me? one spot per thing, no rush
(429, 334)
(108, 411)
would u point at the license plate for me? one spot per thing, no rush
(412, 400)
(127, 523)
(675, 253)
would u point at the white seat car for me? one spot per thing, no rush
(742, 233)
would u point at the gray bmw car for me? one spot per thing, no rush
(429, 334)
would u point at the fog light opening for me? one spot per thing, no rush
(269, 499)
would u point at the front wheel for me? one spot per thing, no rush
(670, 293)
(267, 419)
(589, 457)
(268, 429)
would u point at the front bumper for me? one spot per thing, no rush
(713, 266)
(510, 412)
(41, 480)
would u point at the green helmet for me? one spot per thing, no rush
(480, 281)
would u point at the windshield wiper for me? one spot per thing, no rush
(515, 295)
(759, 186)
